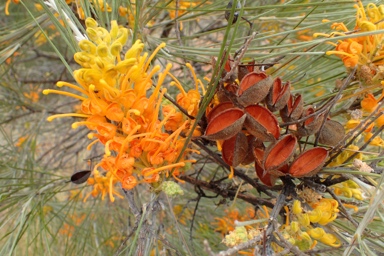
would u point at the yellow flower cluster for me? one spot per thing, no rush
(348, 189)
(364, 50)
(300, 231)
(122, 107)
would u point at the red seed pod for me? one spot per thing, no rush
(279, 154)
(235, 149)
(310, 125)
(294, 108)
(218, 109)
(225, 125)
(259, 155)
(254, 88)
(308, 163)
(261, 123)
(264, 177)
(279, 95)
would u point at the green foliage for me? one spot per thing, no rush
(43, 213)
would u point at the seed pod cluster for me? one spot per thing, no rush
(246, 119)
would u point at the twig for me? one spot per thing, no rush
(324, 109)
(237, 173)
(288, 189)
(227, 193)
(354, 134)
(136, 212)
(241, 51)
(366, 144)
(334, 101)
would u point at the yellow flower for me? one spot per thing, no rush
(325, 238)
(348, 189)
(324, 211)
(377, 141)
(296, 208)
(341, 158)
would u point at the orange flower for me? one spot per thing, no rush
(121, 105)
(363, 50)
(369, 103)
(7, 5)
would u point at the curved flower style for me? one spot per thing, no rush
(121, 106)
(7, 5)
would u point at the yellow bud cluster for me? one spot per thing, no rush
(235, 237)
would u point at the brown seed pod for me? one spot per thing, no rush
(294, 108)
(225, 125)
(218, 109)
(235, 149)
(331, 133)
(254, 88)
(279, 154)
(311, 125)
(261, 123)
(264, 177)
(252, 142)
(308, 163)
(279, 95)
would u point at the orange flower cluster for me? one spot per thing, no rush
(368, 105)
(122, 107)
(363, 50)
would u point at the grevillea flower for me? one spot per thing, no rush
(7, 5)
(348, 189)
(300, 230)
(324, 211)
(121, 106)
(365, 50)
